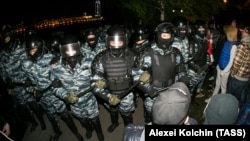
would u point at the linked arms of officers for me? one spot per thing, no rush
(39, 93)
(113, 99)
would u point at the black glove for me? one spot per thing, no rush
(56, 83)
(38, 94)
(27, 82)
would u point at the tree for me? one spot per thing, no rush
(149, 10)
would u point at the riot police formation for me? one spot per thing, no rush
(163, 63)
(73, 71)
(112, 74)
(88, 69)
(37, 68)
(12, 58)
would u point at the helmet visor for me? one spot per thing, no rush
(69, 50)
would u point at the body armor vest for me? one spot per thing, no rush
(163, 69)
(118, 73)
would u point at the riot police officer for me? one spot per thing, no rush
(91, 42)
(163, 62)
(198, 65)
(73, 70)
(112, 73)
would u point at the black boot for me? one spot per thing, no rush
(24, 108)
(28, 114)
(147, 116)
(55, 127)
(114, 121)
(98, 128)
(127, 118)
(39, 113)
(86, 123)
(69, 122)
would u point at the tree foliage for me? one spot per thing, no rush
(150, 11)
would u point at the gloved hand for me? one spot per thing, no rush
(27, 82)
(56, 83)
(37, 94)
(100, 83)
(71, 98)
(145, 77)
(114, 100)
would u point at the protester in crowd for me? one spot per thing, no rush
(238, 81)
(7, 114)
(244, 114)
(170, 107)
(222, 109)
(226, 60)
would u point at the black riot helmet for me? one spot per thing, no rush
(200, 28)
(161, 31)
(181, 25)
(91, 36)
(140, 38)
(34, 41)
(54, 43)
(70, 50)
(8, 38)
(140, 33)
(116, 40)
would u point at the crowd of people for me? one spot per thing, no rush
(70, 74)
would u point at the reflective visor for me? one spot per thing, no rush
(117, 42)
(69, 50)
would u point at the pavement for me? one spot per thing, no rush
(116, 135)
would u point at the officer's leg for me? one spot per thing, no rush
(35, 107)
(55, 127)
(28, 113)
(127, 118)
(70, 123)
(86, 123)
(114, 118)
(98, 128)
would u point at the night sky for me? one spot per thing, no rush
(12, 12)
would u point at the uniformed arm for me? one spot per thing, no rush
(100, 84)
